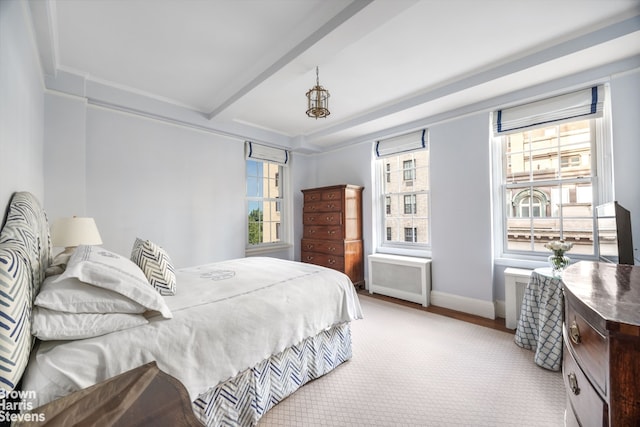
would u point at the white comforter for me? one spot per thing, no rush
(227, 317)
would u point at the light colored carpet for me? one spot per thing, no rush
(414, 368)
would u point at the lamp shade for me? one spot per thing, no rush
(74, 231)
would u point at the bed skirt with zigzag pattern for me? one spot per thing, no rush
(243, 399)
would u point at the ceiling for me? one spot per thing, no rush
(246, 65)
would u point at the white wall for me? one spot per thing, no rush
(625, 107)
(65, 151)
(461, 213)
(21, 105)
(179, 187)
(303, 172)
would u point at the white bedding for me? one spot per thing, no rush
(227, 317)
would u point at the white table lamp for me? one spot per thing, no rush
(71, 232)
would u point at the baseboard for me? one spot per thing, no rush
(473, 306)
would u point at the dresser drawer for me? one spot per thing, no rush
(323, 246)
(335, 194)
(323, 206)
(584, 401)
(588, 345)
(325, 260)
(322, 218)
(330, 232)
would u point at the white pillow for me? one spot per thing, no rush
(73, 296)
(108, 270)
(156, 265)
(58, 264)
(56, 325)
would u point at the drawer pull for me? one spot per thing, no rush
(331, 261)
(331, 232)
(573, 383)
(309, 247)
(332, 248)
(309, 258)
(574, 333)
(329, 218)
(312, 218)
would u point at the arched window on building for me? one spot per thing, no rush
(530, 204)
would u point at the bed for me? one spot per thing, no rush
(241, 335)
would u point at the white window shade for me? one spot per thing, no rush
(264, 153)
(401, 144)
(587, 103)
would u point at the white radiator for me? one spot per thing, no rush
(403, 277)
(515, 282)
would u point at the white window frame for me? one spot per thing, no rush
(379, 178)
(284, 207)
(602, 182)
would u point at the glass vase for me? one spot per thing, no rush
(558, 263)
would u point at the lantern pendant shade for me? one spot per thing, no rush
(318, 100)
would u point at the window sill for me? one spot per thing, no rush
(419, 253)
(530, 264)
(265, 249)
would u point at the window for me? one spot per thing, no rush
(403, 185)
(410, 235)
(265, 174)
(410, 204)
(409, 169)
(528, 203)
(550, 176)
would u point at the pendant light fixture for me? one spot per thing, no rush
(318, 100)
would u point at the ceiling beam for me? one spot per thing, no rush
(353, 8)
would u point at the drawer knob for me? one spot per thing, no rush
(574, 333)
(573, 383)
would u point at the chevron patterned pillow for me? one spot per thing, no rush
(156, 265)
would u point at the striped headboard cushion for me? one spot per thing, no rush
(25, 254)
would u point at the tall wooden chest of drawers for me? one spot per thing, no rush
(332, 229)
(601, 357)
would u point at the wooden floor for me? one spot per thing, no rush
(498, 323)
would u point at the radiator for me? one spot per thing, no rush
(402, 277)
(515, 281)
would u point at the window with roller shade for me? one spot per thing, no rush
(265, 200)
(553, 171)
(403, 165)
